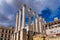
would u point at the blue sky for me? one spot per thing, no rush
(48, 9)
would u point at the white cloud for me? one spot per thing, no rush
(3, 23)
(9, 1)
(38, 5)
(37, 0)
(10, 17)
(1, 2)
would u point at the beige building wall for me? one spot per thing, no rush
(6, 33)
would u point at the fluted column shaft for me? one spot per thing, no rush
(23, 30)
(36, 23)
(29, 10)
(34, 26)
(17, 35)
(44, 30)
(23, 15)
(16, 22)
(40, 24)
(30, 33)
(20, 17)
(14, 36)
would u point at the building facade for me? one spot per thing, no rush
(6, 33)
(52, 29)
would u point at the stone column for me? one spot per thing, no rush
(23, 35)
(44, 30)
(4, 34)
(29, 10)
(20, 13)
(23, 15)
(23, 30)
(16, 22)
(14, 36)
(34, 26)
(36, 23)
(30, 32)
(40, 24)
(17, 35)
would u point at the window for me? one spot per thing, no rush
(8, 39)
(4, 38)
(9, 36)
(9, 31)
(6, 31)
(12, 32)
(2, 30)
(58, 25)
(46, 27)
(5, 35)
(2, 35)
